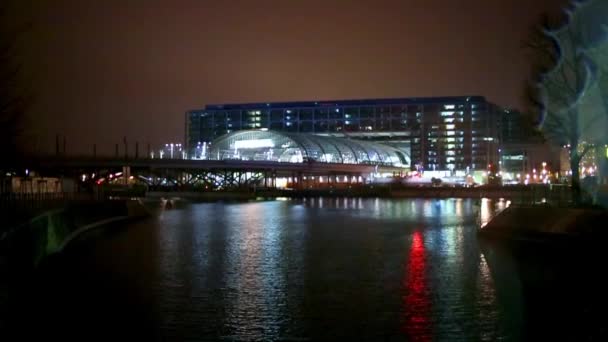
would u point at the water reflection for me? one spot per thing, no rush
(339, 269)
(487, 304)
(417, 302)
(257, 288)
(490, 207)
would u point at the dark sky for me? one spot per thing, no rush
(105, 69)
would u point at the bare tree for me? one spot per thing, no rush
(566, 76)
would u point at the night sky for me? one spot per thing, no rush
(104, 69)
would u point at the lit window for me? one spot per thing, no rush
(450, 126)
(450, 133)
(451, 106)
(449, 113)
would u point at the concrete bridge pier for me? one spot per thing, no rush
(126, 174)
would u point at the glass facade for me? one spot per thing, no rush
(300, 147)
(439, 133)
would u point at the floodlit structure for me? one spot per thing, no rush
(439, 133)
(276, 146)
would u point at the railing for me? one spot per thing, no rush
(556, 195)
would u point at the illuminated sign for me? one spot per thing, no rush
(515, 157)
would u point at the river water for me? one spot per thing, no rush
(312, 269)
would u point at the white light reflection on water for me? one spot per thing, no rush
(256, 301)
(489, 208)
(486, 304)
(446, 263)
(485, 211)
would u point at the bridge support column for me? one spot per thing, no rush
(300, 184)
(126, 174)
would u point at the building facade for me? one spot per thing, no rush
(523, 149)
(438, 133)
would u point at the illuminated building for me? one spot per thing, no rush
(277, 146)
(522, 146)
(439, 133)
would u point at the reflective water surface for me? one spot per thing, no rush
(316, 269)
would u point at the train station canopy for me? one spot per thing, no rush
(277, 146)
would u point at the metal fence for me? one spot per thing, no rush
(557, 195)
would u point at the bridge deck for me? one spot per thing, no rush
(236, 165)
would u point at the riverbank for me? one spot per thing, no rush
(28, 244)
(549, 225)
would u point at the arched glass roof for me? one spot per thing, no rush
(298, 147)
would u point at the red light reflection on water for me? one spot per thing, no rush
(416, 299)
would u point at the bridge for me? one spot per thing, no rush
(211, 174)
(245, 158)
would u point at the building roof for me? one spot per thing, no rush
(346, 103)
(299, 147)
